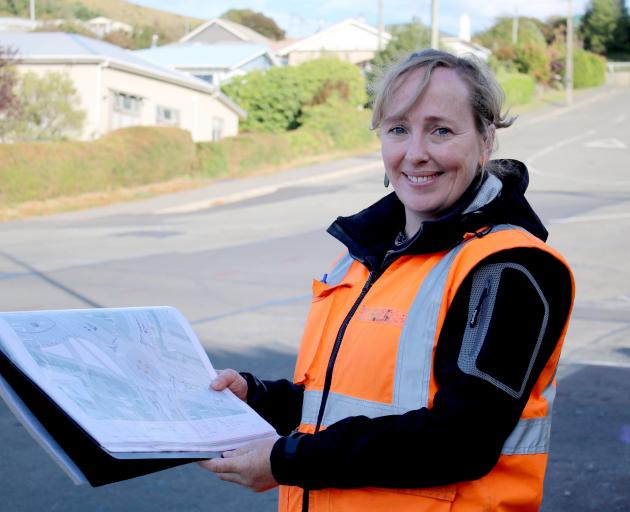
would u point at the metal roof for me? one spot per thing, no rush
(61, 47)
(215, 55)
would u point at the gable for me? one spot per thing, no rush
(215, 33)
(340, 38)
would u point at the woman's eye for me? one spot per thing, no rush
(397, 130)
(442, 132)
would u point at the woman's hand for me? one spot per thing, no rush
(232, 380)
(249, 465)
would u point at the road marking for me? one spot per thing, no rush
(267, 190)
(591, 218)
(611, 143)
(529, 162)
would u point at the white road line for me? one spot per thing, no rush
(267, 190)
(590, 218)
(594, 362)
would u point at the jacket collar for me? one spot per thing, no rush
(498, 198)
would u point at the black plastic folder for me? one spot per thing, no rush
(95, 464)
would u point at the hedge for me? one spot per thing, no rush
(124, 158)
(518, 88)
(589, 69)
(333, 126)
(145, 155)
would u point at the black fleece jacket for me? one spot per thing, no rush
(460, 438)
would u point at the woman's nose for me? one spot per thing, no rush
(417, 150)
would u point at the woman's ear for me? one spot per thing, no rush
(488, 144)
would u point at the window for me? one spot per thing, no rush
(167, 116)
(207, 78)
(126, 110)
(217, 128)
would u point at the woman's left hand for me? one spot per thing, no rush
(249, 465)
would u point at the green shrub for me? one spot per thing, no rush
(274, 100)
(589, 69)
(518, 88)
(533, 59)
(128, 157)
(333, 126)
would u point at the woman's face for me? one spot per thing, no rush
(432, 150)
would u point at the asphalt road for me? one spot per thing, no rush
(237, 259)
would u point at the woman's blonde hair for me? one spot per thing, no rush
(486, 95)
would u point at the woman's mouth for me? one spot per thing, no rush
(421, 180)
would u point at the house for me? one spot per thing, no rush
(119, 88)
(219, 30)
(351, 40)
(214, 63)
(102, 26)
(18, 25)
(462, 45)
(462, 48)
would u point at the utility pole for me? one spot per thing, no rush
(515, 27)
(380, 25)
(32, 10)
(568, 79)
(435, 35)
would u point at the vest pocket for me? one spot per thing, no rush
(324, 300)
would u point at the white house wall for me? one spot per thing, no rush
(84, 78)
(196, 109)
(96, 85)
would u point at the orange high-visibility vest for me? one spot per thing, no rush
(385, 366)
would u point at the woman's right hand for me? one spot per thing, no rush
(232, 380)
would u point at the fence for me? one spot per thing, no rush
(618, 73)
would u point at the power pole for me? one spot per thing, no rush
(435, 36)
(568, 79)
(380, 25)
(515, 27)
(32, 10)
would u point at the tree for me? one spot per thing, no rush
(49, 109)
(256, 21)
(9, 100)
(405, 39)
(605, 27)
(499, 35)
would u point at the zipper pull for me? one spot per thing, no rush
(475, 316)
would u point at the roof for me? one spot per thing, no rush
(322, 33)
(61, 47)
(241, 31)
(197, 55)
(18, 23)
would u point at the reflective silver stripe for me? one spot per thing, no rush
(415, 347)
(340, 270)
(340, 406)
(549, 394)
(530, 436)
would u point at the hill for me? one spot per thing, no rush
(168, 25)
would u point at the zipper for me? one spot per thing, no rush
(337, 346)
(474, 318)
(331, 364)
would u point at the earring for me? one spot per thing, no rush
(386, 180)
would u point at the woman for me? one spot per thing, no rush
(425, 378)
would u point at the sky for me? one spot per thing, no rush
(301, 18)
